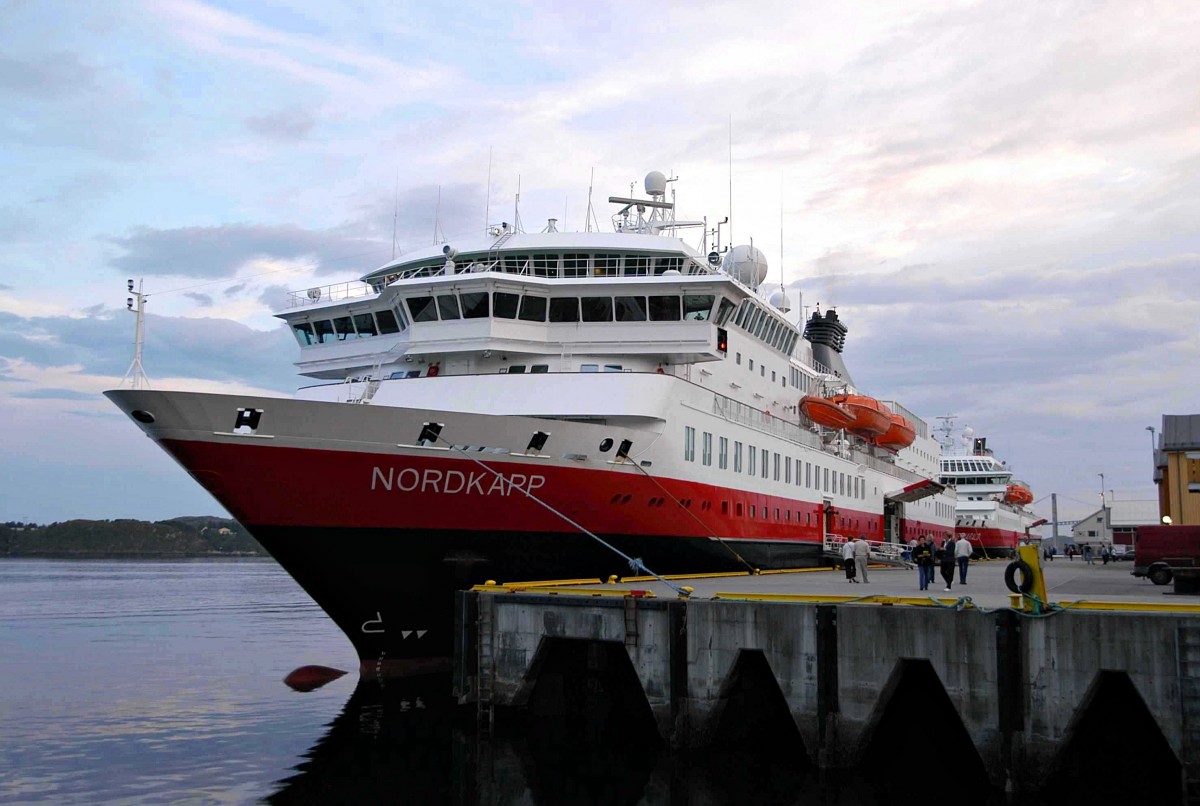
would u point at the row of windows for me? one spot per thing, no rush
(762, 370)
(533, 308)
(966, 466)
(762, 462)
(761, 324)
(567, 265)
(974, 480)
(353, 326)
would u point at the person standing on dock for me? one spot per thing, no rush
(962, 555)
(848, 560)
(923, 557)
(947, 562)
(862, 553)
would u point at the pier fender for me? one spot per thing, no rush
(1010, 576)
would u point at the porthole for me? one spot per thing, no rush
(606, 445)
(142, 416)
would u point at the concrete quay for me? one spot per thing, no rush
(1111, 678)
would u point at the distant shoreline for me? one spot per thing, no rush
(202, 537)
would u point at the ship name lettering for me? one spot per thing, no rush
(453, 482)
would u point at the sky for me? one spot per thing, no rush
(999, 198)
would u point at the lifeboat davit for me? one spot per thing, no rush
(1019, 495)
(823, 411)
(871, 418)
(900, 435)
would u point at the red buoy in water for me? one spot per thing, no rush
(310, 678)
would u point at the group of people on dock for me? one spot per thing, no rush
(926, 554)
(923, 552)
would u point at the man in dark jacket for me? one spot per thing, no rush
(923, 557)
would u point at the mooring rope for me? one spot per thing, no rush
(635, 563)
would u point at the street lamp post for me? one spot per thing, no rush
(1153, 444)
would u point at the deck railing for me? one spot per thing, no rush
(329, 293)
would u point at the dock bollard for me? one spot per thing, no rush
(1015, 601)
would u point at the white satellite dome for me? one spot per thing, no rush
(656, 183)
(779, 299)
(747, 265)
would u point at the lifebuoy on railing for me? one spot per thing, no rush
(660, 371)
(1010, 576)
(434, 369)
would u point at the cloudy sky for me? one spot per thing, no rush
(1001, 198)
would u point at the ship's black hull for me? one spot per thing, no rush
(392, 591)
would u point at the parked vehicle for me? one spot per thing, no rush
(1163, 553)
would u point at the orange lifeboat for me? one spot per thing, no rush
(871, 418)
(900, 435)
(823, 411)
(1019, 495)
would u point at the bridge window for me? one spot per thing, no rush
(575, 265)
(474, 305)
(564, 309)
(607, 265)
(504, 305)
(344, 328)
(533, 309)
(448, 306)
(663, 264)
(597, 309)
(630, 309)
(422, 309)
(724, 311)
(323, 330)
(304, 333)
(387, 322)
(636, 266)
(665, 309)
(364, 323)
(545, 265)
(698, 307)
(743, 310)
(516, 264)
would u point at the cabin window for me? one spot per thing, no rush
(706, 448)
(422, 309)
(612, 368)
(737, 457)
(539, 369)
(448, 306)
(636, 266)
(689, 444)
(516, 264)
(387, 322)
(533, 309)
(575, 265)
(516, 369)
(698, 306)
(344, 328)
(665, 309)
(607, 265)
(304, 334)
(545, 265)
(564, 309)
(504, 305)
(724, 311)
(323, 329)
(766, 460)
(751, 456)
(589, 367)
(630, 309)
(364, 323)
(739, 359)
(597, 309)
(474, 305)
(723, 453)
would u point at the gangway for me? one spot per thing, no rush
(881, 551)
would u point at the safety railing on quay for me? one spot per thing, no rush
(881, 550)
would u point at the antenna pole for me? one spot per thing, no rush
(517, 226)
(590, 220)
(136, 375)
(395, 213)
(731, 178)
(487, 210)
(437, 219)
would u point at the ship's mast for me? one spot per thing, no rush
(136, 375)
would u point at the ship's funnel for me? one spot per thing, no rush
(827, 335)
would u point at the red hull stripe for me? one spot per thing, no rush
(991, 538)
(281, 486)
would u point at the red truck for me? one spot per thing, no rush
(1163, 553)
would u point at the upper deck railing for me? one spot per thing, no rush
(329, 293)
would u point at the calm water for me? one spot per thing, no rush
(149, 682)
